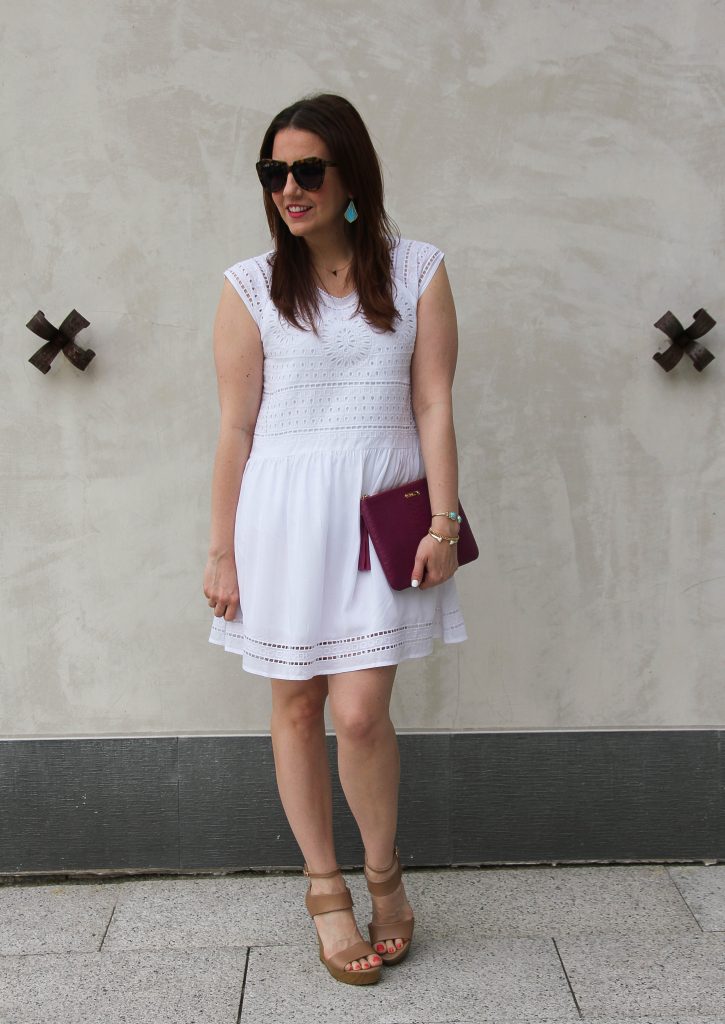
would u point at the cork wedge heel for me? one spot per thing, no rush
(325, 903)
(397, 929)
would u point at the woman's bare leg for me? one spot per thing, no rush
(303, 780)
(369, 767)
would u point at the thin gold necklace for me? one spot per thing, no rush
(334, 272)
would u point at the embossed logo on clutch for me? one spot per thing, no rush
(411, 494)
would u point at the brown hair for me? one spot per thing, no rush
(293, 289)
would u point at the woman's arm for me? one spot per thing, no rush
(239, 360)
(432, 370)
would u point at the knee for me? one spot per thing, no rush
(360, 725)
(302, 711)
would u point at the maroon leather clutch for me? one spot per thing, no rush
(397, 520)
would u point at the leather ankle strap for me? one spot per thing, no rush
(327, 874)
(383, 870)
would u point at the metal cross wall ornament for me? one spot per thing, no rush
(685, 340)
(59, 338)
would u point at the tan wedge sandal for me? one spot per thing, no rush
(398, 929)
(325, 903)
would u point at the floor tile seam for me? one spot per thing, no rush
(243, 985)
(684, 899)
(476, 938)
(433, 933)
(572, 993)
(620, 936)
(217, 945)
(103, 937)
(108, 953)
(692, 933)
(90, 951)
(479, 934)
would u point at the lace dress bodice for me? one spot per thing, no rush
(348, 386)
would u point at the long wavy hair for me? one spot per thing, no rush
(293, 290)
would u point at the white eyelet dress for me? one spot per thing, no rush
(335, 422)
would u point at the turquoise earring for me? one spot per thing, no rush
(351, 212)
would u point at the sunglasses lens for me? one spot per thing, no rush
(309, 174)
(272, 175)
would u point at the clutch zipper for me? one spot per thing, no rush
(363, 561)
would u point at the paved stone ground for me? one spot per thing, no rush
(632, 944)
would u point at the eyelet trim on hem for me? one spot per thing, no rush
(263, 651)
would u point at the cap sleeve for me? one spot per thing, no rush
(415, 264)
(251, 281)
(429, 259)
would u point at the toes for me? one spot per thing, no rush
(364, 964)
(380, 946)
(360, 965)
(391, 946)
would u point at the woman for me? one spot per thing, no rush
(335, 372)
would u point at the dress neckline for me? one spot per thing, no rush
(337, 300)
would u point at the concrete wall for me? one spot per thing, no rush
(568, 159)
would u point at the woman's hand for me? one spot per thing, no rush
(221, 586)
(435, 562)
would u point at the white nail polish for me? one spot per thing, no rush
(414, 583)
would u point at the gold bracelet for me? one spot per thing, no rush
(449, 515)
(439, 538)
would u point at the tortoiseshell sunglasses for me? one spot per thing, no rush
(308, 173)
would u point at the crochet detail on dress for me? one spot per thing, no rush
(346, 343)
(252, 280)
(307, 655)
(348, 378)
(412, 266)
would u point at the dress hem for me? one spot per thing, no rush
(423, 652)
